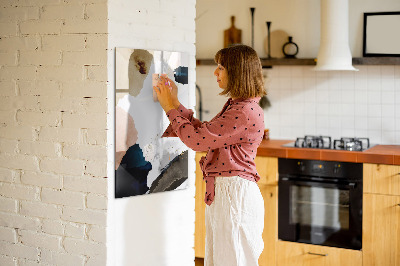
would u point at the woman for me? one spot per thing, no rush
(235, 207)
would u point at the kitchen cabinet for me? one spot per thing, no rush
(270, 233)
(381, 230)
(298, 254)
(381, 215)
(381, 179)
(267, 167)
(381, 221)
(200, 207)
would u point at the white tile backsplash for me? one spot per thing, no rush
(361, 124)
(364, 103)
(388, 84)
(387, 124)
(388, 97)
(374, 97)
(388, 111)
(374, 110)
(387, 72)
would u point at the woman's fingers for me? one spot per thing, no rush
(170, 82)
(157, 90)
(161, 90)
(163, 82)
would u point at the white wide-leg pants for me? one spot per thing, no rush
(234, 223)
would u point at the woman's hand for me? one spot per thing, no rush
(164, 94)
(174, 91)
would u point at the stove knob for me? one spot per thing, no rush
(336, 169)
(301, 166)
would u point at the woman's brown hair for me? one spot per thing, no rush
(245, 78)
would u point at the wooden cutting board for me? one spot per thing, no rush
(232, 35)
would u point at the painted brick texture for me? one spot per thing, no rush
(53, 110)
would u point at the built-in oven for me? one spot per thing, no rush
(320, 202)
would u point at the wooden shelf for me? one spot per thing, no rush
(288, 62)
(268, 62)
(312, 61)
(376, 61)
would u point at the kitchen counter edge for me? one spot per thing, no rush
(379, 154)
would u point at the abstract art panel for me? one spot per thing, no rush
(144, 162)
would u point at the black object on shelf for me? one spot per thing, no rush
(269, 38)
(290, 49)
(252, 9)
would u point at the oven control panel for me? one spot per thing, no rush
(330, 169)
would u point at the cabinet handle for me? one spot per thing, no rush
(318, 254)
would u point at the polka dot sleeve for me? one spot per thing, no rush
(186, 113)
(223, 131)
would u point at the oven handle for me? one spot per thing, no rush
(297, 181)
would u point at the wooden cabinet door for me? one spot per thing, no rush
(270, 233)
(381, 179)
(267, 168)
(298, 254)
(381, 230)
(200, 207)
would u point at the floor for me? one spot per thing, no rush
(199, 262)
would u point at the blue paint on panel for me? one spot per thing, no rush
(131, 175)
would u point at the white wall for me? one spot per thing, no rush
(156, 229)
(299, 18)
(338, 104)
(53, 106)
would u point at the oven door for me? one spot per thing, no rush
(321, 212)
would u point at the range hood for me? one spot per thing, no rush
(334, 51)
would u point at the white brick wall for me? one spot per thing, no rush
(53, 107)
(54, 77)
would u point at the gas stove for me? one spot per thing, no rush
(325, 142)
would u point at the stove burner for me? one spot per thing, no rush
(351, 144)
(308, 141)
(324, 142)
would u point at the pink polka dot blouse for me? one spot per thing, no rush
(231, 139)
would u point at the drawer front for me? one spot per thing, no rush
(381, 179)
(294, 254)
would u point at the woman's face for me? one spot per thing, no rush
(222, 76)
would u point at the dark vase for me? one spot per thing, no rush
(290, 49)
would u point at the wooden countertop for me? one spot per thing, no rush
(379, 154)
